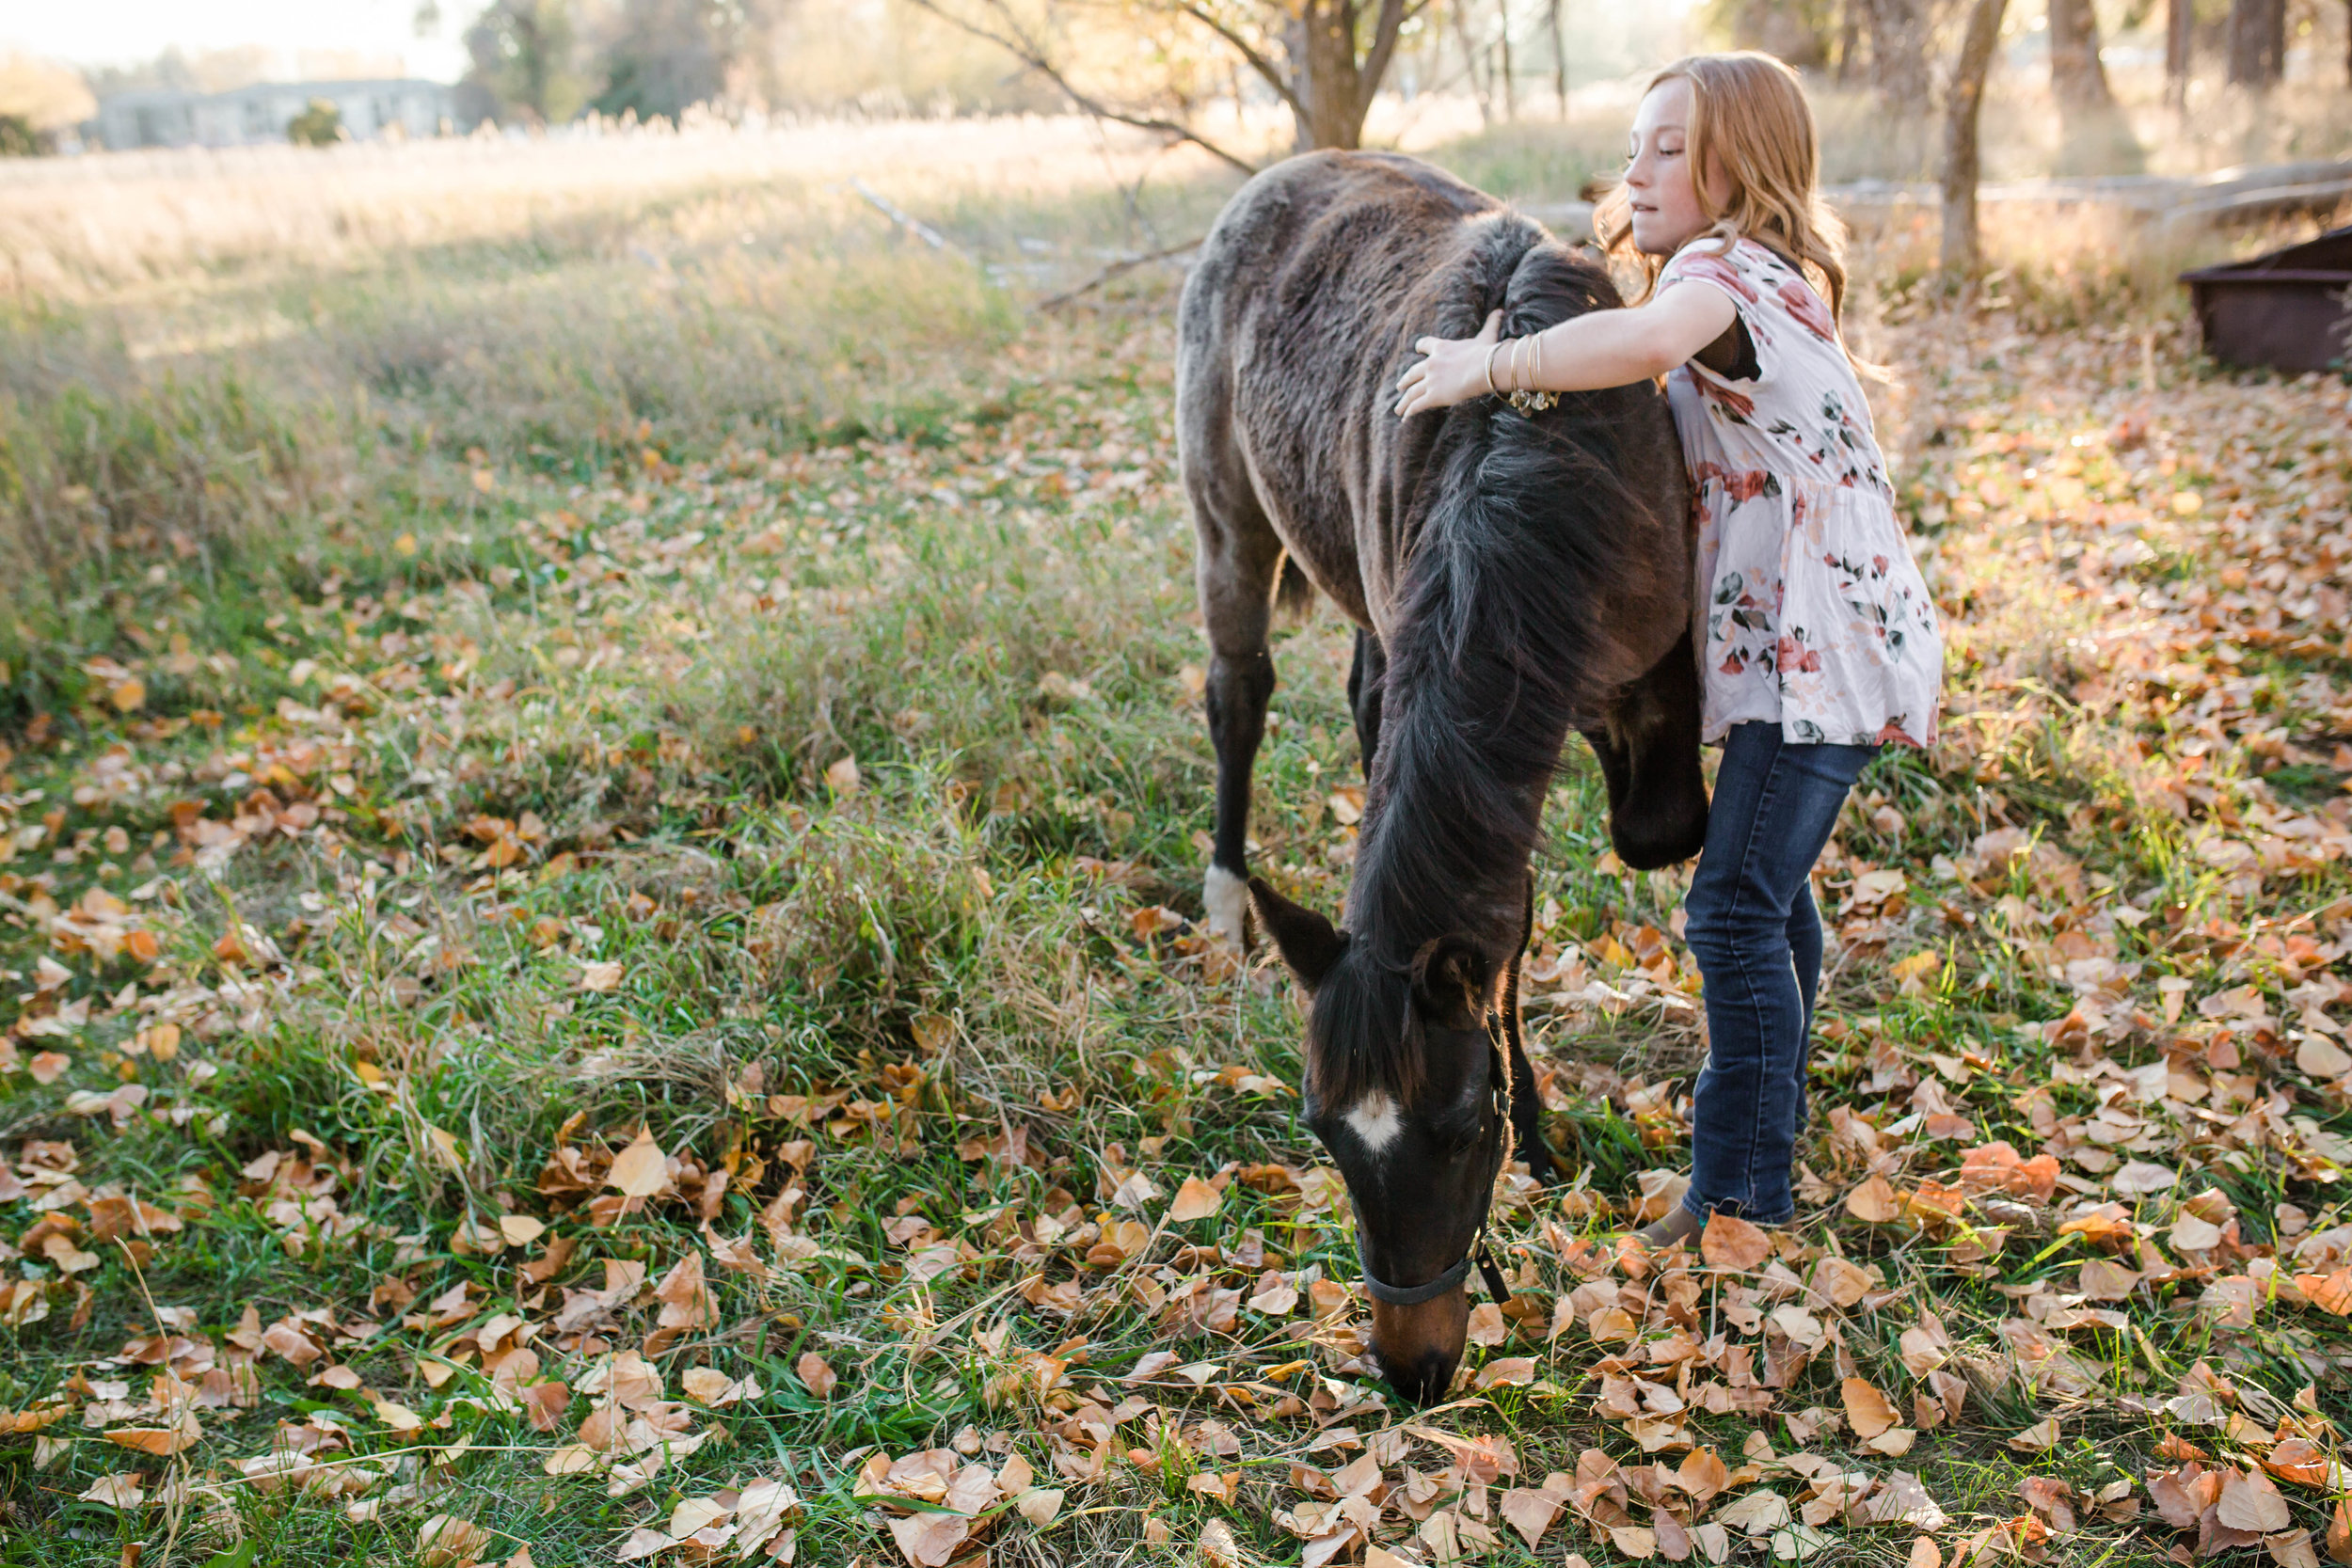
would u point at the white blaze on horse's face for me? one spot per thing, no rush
(1376, 1120)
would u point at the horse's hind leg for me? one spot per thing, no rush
(1241, 558)
(1366, 676)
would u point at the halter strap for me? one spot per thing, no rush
(1489, 1271)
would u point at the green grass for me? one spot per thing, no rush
(636, 661)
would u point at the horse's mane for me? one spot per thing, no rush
(1520, 545)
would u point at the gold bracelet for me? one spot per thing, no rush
(1491, 391)
(1520, 398)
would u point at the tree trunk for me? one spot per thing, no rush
(2180, 22)
(1332, 85)
(1560, 61)
(1482, 91)
(2258, 43)
(1961, 110)
(2078, 80)
(1899, 52)
(1510, 77)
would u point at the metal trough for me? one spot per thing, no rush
(2289, 311)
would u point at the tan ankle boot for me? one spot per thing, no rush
(1677, 1225)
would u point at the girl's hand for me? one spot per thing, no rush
(1453, 371)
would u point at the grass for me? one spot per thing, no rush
(752, 699)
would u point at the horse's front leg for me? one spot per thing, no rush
(1527, 1111)
(1240, 560)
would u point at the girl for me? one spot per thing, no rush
(1817, 638)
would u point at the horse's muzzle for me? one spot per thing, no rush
(1418, 1346)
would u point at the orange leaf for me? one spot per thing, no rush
(815, 1375)
(1195, 1200)
(1866, 1408)
(1731, 1243)
(1873, 1202)
(161, 1441)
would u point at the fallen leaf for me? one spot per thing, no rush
(117, 1491)
(2250, 1502)
(1866, 1408)
(1509, 1371)
(2140, 1178)
(163, 1442)
(445, 1539)
(1039, 1505)
(815, 1375)
(1195, 1200)
(1731, 1243)
(2043, 1434)
(2322, 1057)
(2103, 1279)
(930, 1539)
(1755, 1513)
(520, 1229)
(641, 1169)
(1873, 1202)
(1530, 1511)
(600, 976)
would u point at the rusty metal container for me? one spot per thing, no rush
(2290, 311)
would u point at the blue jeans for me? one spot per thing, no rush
(1757, 939)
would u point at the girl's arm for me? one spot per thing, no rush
(1607, 348)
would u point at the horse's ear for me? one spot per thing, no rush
(1452, 972)
(1308, 943)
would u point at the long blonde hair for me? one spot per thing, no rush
(1749, 119)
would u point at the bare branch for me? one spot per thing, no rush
(1029, 54)
(1258, 62)
(1393, 14)
(1114, 269)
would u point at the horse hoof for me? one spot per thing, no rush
(1227, 898)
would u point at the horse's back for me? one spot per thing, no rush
(1292, 319)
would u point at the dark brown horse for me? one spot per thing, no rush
(1513, 577)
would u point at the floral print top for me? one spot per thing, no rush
(1811, 613)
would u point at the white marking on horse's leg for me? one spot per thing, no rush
(1376, 1120)
(1228, 899)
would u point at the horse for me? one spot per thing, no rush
(1512, 576)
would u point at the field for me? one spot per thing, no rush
(604, 799)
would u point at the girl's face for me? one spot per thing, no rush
(1660, 178)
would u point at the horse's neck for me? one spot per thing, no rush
(1431, 865)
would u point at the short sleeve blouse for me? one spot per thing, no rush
(1810, 612)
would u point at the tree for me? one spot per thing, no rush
(2094, 134)
(662, 56)
(42, 97)
(525, 56)
(1897, 31)
(1324, 59)
(1963, 105)
(2180, 30)
(2258, 43)
(321, 124)
(2078, 80)
(1798, 31)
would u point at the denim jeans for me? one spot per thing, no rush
(1757, 939)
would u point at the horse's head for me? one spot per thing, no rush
(1409, 1092)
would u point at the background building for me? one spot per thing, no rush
(178, 117)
